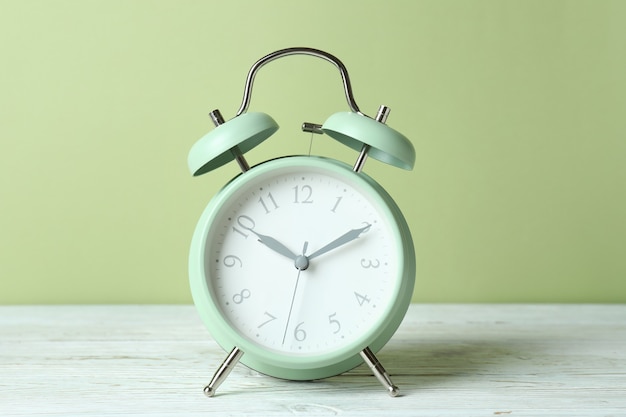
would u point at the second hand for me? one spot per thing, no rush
(293, 297)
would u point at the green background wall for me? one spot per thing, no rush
(517, 110)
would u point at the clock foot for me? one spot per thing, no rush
(380, 372)
(223, 371)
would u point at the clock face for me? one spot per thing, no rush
(302, 258)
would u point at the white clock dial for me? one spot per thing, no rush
(302, 260)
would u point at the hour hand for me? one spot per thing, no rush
(341, 240)
(275, 245)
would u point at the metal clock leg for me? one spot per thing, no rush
(223, 371)
(380, 372)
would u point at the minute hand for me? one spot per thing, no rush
(341, 240)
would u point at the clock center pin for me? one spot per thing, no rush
(302, 262)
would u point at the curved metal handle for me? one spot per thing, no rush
(298, 51)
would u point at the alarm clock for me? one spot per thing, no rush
(301, 267)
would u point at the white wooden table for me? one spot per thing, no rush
(448, 360)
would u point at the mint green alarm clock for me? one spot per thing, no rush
(301, 267)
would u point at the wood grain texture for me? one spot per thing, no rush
(448, 360)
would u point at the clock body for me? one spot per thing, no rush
(302, 263)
